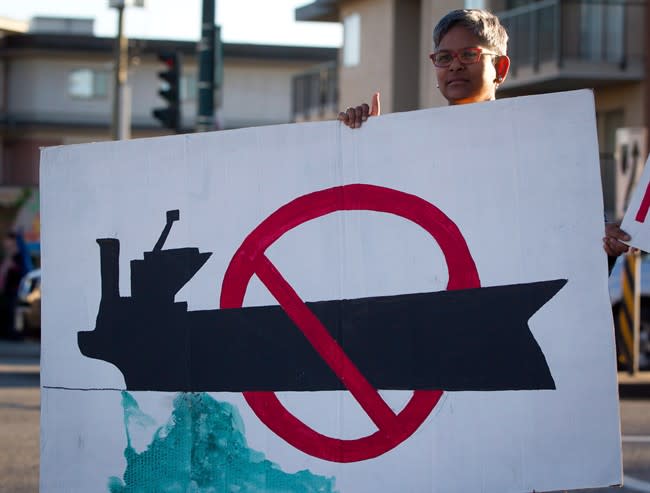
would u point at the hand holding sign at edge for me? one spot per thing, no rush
(353, 117)
(613, 240)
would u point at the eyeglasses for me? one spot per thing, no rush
(466, 56)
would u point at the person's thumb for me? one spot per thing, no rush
(375, 105)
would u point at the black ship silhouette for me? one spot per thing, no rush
(474, 339)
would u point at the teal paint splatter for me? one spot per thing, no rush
(133, 416)
(203, 449)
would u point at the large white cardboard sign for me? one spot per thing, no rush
(420, 305)
(636, 222)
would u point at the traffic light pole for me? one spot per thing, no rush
(121, 102)
(206, 52)
(170, 115)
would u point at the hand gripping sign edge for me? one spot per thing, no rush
(250, 259)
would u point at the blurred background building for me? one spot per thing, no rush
(555, 45)
(56, 87)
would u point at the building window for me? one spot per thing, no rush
(602, 28)
(88, 84)
(351, 40)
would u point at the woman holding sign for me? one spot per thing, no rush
(470, 62)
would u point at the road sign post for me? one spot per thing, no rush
(629, 315)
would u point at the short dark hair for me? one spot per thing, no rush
(485, 25)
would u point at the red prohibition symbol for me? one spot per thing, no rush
(392, 428)
(642, 213)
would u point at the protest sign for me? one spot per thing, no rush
(636, 222)
(419, 305)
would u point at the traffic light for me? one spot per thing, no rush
(170, 116)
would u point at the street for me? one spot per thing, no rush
(635, 428)
(19, 416)
(20, 406)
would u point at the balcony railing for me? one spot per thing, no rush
(315, 93)
(591, 39)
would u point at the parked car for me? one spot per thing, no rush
(616, 295)
(27, 315)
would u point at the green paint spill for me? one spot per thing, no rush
(202, 449)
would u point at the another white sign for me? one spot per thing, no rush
(313, 286)
(636, 222)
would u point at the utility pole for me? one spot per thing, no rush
(121, 125)
(206, 52)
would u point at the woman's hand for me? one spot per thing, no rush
(613, 240)
(354, 117)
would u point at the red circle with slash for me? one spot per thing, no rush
(392, 428)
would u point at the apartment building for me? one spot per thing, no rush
(555, 45)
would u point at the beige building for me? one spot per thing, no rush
(555, 45)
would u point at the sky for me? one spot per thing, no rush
(242, 21)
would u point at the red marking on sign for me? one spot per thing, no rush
(250, 258)
(642, 213)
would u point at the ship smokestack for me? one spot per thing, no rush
(109, 255)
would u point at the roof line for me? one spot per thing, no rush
(319, 11)
(93, 44)
(12, 25)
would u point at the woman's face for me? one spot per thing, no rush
(472, 83)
